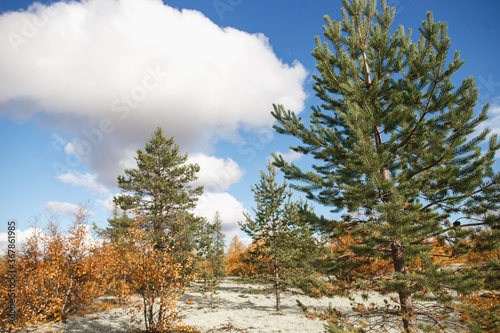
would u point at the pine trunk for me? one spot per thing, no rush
(398, 258)
(405, 297)
(277, 285)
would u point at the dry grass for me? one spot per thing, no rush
(101, 304)
(228, 327)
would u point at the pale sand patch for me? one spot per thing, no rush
(245, 306)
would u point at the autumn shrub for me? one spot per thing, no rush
(153, 273)
(112, 274)
(56, 276)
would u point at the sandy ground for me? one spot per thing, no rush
(245, 307)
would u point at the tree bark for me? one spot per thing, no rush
(277, 284)
(405, 297)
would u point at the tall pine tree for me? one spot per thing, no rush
(397, 149)
(281, 238)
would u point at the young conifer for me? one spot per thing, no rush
(211, 261)
(118, 225)
(281, 238)
(398, 149)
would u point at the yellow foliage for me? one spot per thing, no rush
(478, 258)
(234, 263)
(483, 309)
(155, 275)
(367, 266)
(440, 253)
(57, 275)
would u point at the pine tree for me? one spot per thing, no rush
(159, 192)
(159, 188)
(118, 225)
(397, 150)
(280, 236)
(211, 251)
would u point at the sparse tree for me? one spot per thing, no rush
(281, 238)
(55, 275)
(211, 261)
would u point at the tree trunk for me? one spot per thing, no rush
(277, 284)
(398, 258)
(405, 297)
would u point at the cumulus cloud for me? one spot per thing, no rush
(216, 174)
(20, 236)
(230, 210)
(23, 235)
(106, 73)
(63, 209)
(493, 122)
(87, 180)
(290, 156)
(108, 205)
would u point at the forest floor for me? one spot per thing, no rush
(239, 307)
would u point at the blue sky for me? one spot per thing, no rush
(84, 84)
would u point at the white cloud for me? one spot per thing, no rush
(108, 72)
(63, 209)
(20, 238)
(128, 160)
(493, 122)
(108, 204)
(216, 174)
(86, 180)
(291, 156)
(230, 210)
(494, 118)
